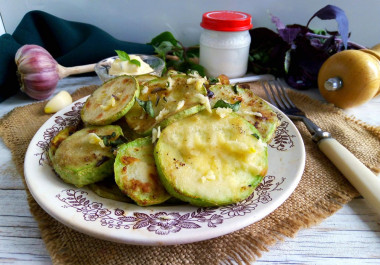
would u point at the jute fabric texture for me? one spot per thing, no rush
(321, 192)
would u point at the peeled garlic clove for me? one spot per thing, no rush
(37, 71)
(58, 102)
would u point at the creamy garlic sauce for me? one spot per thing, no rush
(119, 67)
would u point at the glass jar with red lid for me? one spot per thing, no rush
(224, 43)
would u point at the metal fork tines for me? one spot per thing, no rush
(278, 96)
(362, 178)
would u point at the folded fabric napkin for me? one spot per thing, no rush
(70, 43)
(321, 192)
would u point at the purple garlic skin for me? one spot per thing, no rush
(37, 71)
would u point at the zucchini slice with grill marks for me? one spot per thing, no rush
(136, 174)
(211, 159)
(83, 158)
(252, 108)
(111, 101)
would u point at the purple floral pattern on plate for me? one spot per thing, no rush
(283, 140)
(166, 222)
(70, 118)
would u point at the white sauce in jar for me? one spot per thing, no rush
(224, 43)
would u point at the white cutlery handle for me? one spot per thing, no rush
(363, 179)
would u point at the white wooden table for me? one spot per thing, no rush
(350, 236)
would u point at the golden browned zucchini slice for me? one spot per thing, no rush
(110, 101)
(142, 79)
(211, 159)
(136, 174)
(58, 139)
(252, 108)
(84, 158)
(166, 99)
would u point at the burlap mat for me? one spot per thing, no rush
(321, 192)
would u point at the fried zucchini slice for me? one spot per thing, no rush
(136, 174)
(165, 100)
(108, 189)
(58, 139)
(252, 108)
(111, 101)
(142, 79)
(83, 158)
(211, 159)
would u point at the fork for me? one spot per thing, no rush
(363, 179)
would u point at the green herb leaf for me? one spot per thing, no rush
(122, 55)
(193, 52)
(163, 37)
(235, 88)
(163, 48)
(109, 141)
(166, 44)
(256, 136)
(147, 106)
(135, 62)
(213, 80)
(186, 65)
(222, 104)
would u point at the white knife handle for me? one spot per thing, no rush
(363, 179)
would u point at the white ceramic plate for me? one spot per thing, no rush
(84, 211)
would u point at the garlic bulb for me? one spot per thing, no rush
(37, 71)
(58, 102)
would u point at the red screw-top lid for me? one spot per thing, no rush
(226, 21)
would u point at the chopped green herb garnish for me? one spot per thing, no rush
(147, 106)
(256, 135)
(192, 72)
(222, 104)
(235, 88)
(108, 140)
(213, 80)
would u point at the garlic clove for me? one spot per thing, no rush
(58, 102)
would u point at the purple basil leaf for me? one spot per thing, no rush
(334, 12)
(277, 22)
(267, 52)
(289, 34)
(305, 62)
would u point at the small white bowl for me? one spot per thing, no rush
(102, 67)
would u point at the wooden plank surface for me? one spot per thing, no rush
(351, 236)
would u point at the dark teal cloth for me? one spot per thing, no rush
(70, 43)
